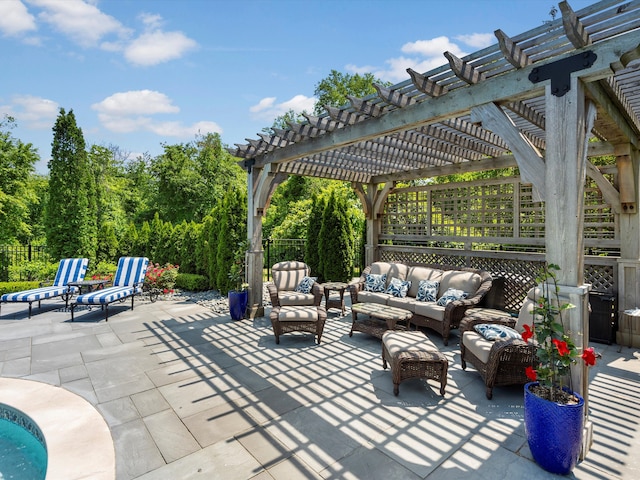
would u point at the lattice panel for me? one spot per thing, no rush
(519, 275)
(488, 210)
(601, 277)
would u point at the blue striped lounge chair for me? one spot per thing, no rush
(127, 282)
(69, 270)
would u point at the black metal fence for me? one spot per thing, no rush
(281, 249)
(17, 254)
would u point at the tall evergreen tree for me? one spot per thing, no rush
(232, 233)
(336, 241)
(312, 247)
(70, 220)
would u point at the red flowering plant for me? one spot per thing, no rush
(161, 278)
(555, 351)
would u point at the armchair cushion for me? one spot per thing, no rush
(288, 275)
(496, 332)
(306, 285)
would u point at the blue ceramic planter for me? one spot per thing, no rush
(238, 303)
(554, 432)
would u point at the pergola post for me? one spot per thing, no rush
(569, 120)
(628, 163)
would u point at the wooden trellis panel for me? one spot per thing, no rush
(491, 225)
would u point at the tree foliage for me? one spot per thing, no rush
(70, 218)
(18, 198)
(191, 177)
(336, 241)
(335, 89)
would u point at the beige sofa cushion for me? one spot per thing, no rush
(430, 309)
(373, 297)
(415, 274)
(392, 270)
(407, 303)
(468, 282)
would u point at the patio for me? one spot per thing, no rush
(188, 393)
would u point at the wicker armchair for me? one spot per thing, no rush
(286, 278)
(499, 362)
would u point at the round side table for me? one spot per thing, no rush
(333, 302)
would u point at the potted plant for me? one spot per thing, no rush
(238, 298)
(553, 412)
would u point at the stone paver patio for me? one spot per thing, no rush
(188, 393)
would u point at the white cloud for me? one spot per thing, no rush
(267, 109)
(136, 102)
(433, 48)
(155, 47)
(80, 20)
(176, 129)
(132, 111)
(422, 56)
(15, 19)
(478, 40)
(32, 112)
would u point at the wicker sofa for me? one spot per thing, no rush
(441, 318)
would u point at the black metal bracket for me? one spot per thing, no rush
(559, 72)
(248, 164)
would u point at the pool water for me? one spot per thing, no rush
(22, 456)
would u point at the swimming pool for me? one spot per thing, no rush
(23, 454)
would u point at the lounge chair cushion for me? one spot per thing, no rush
(107, 295)
(37, 294)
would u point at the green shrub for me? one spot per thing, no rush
(12, 287)
(35, 270)
(192, 282)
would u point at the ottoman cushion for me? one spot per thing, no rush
(298, 314)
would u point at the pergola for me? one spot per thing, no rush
(533, 101)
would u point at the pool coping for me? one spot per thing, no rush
(71, 427)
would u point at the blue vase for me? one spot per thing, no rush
(554, 431)
(238, 303)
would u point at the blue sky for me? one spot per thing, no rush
(142, 73)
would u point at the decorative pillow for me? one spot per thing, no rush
(375, 282)
(496, 332)
(427, 291)
(398, 288)
(306, 284)
(451, 295)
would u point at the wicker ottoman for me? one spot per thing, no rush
(295, 318)
(412, 355)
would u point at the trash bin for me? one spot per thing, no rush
(603, 319)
